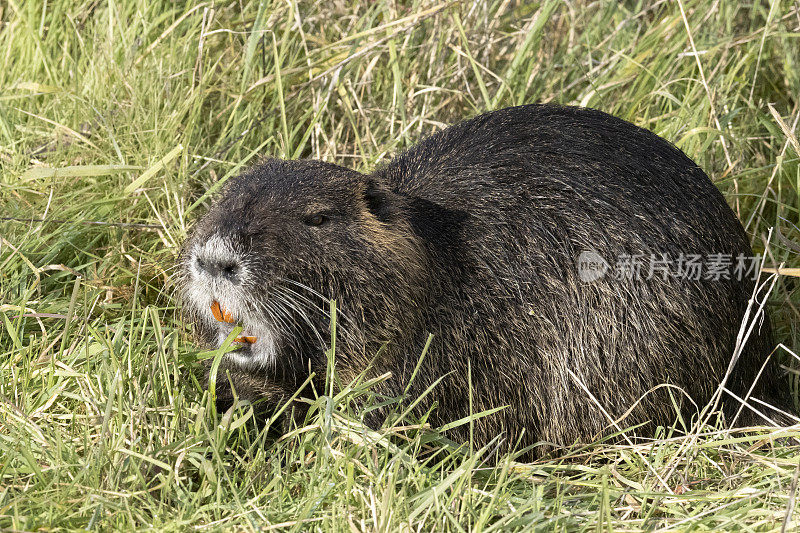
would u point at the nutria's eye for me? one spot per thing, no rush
(315, 220)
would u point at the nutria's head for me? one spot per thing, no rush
(285, 237)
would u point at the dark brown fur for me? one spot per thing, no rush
(473, 235)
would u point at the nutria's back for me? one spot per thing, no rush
(489, 235)
(551, 154)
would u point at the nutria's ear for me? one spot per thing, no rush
(381, 202)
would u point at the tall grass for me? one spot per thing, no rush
(119, 120)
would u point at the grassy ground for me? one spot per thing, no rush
(118, 120)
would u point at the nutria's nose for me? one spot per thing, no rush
(226, 268)
(216, 258)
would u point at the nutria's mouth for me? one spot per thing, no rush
(222, 315)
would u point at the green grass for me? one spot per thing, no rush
(130, 113)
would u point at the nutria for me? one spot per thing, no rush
(501, 236)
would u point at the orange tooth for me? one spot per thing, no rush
(220, 313)
(245, 339)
